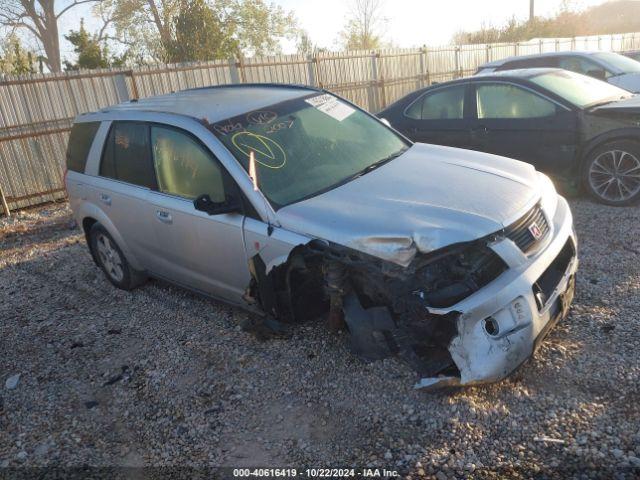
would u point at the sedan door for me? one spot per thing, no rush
(517, 122)
(198, 250)
(440, 116)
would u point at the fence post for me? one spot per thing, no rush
(374, 104)
(134, 85)
(423, 69)
(599, 42)
(233, 70)
(488, 52)
(541, 46)
(311, 71)
(5, 206)
(457, 60)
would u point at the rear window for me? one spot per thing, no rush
(80, 141)
(127, 155)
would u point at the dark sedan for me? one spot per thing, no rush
(580, 130)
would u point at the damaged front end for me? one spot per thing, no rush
(388, 309)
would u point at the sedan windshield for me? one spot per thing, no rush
(580, 90)
(308, 145)
(620, 63)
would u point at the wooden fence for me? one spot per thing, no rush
(36, 111)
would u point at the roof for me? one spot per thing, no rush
(499, 63)
(215, 103)
(519, 73)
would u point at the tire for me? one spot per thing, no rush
(611, 173)
(112, 261)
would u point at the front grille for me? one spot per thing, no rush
(548, 281)
(520, 232)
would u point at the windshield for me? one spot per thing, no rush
(578, 89)
(618, 62)
(308, 145)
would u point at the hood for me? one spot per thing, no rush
(426, 199)
(628, 81)
(629, 105)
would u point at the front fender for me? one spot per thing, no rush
(626, 133)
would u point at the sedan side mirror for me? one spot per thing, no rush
(205, 204)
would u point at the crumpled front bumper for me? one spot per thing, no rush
(501, 325)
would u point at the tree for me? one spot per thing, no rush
(200, 35)
(14, 58)
(365, 25)
(258, 25)
(610, 17)
(40, 18)
(91, 51)
(305, 45)
(150, 27)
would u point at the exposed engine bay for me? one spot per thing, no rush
(389, 310)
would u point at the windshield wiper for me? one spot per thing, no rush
(378, 163)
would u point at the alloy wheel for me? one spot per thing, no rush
(615, 175)
(110, 257)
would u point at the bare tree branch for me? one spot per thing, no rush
(74, 4)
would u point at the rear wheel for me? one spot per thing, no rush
(112, 261)
(612, 173)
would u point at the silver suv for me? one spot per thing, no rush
(298, 205)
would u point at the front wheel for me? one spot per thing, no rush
(612, 173)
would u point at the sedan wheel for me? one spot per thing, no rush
(614, 176)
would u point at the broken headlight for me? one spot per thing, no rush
(456, 273)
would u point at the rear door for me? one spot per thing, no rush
(517, 122)
(201, 251)
(125, 178)
(440, 116)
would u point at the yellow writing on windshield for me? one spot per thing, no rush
(267, 152)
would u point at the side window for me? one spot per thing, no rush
(535, 62)
(443, 104)
(184, 167)
(508, 101)
(127, 156)
(80, 141)
(583, 66)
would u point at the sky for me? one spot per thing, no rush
(409, 23)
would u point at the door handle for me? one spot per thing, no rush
(106, 199)
(480, 129)
(164, 217)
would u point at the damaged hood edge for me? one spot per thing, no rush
(426, 199)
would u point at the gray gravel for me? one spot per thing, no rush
(163, 377)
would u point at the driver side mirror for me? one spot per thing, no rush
(204, 204)
(597, 73)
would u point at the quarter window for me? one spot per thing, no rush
(80, 141)
(127, 156)
(184, 167)
(444, 104)
(511, 102)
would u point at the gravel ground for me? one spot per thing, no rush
(164, 377)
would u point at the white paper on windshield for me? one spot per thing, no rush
(331, 106)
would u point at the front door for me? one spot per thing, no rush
(439, 117)
(519, 123)
(201, 251)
